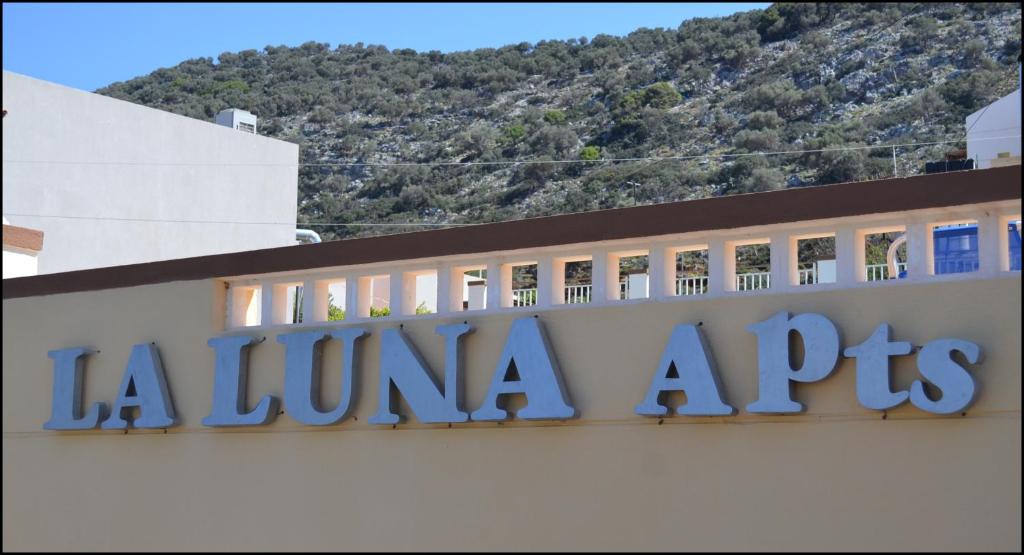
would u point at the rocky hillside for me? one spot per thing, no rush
(792, 77)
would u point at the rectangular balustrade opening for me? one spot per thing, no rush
(579, 281)
(816, 260)
(473, 288)
(524, 284)
(691, 271)
(245, 305)
(422, 299)
(885, 254)
(293, 304)
(955, 247)
(633, 277)
(753, 266)
(374, 296)
(336, 300)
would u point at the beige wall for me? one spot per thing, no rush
(837, 477)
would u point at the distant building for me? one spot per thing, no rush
(236, 119)
(112, 183)
(993, 133)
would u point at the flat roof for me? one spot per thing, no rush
(775, 207)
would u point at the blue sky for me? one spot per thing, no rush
(88, 46)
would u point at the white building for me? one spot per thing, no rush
(236, 119)
(112, 183)
(993, 133)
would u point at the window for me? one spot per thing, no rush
(955, 247)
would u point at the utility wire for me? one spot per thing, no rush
(293, 224)
(510, 162)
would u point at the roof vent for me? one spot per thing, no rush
(237, 119)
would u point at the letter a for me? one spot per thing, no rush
(528, 353)
(143, 386)
(687, 354)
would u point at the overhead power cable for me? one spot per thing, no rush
(292, 224)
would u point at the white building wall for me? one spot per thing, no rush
(18, 263)
(994, 129)
(80, 155)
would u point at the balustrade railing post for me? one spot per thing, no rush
(920, 253)
(444, 290)
(721, 267)
(850, 267)
(275, 304)
(545, 275)
(314, 301)
(783, 255)
(662, 272)
(359, 297)
(992, 258)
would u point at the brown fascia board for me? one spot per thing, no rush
(23, 238)
(791, 205)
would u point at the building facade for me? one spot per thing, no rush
(256, 432)
(112, 183)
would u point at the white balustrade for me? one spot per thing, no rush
(877, 272)
(524, 297)
(268, 300)
(691, 285)
(576, 294)
(754, 280)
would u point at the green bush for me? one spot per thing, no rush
(764, 120)
(554, 117)
(659, 95)
(757, 141)
(514, 133)
(590, 153)
(662, 95)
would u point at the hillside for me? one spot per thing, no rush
(792, 77)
